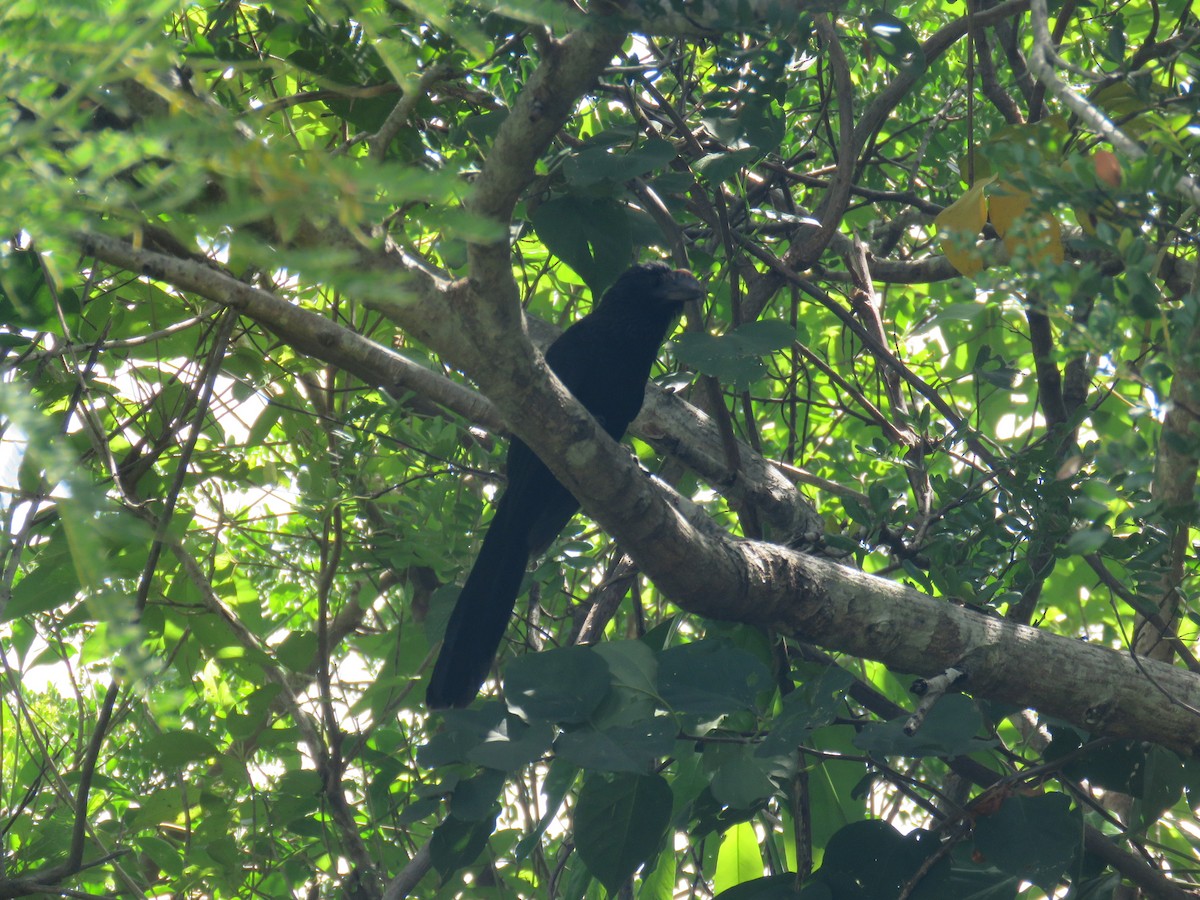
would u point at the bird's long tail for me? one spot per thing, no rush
(481, 614)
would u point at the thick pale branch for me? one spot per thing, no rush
(678, 429)
(667, 423)
(477, 324)
(712, 575)
(1042, 62)
(1097, 688)
(306, 331)
(567, 71)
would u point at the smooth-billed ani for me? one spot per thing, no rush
(603, 359)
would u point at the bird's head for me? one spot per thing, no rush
(653, 285)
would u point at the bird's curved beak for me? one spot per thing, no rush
(683, 287)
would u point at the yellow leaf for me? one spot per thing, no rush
(1038, 243)
(1006, 204)
(959, 225)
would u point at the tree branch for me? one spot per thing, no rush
(710, 574)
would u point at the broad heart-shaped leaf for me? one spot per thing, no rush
(871, 859)
(595, 164)
(626, 748)
(1031, 837)
(457, 842)
(735, 358)
(562, 685)
(948, 730)
(589, 234)
(710, 678)
(959, 225)
(619, 823)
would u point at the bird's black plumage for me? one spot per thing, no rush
(603, 359)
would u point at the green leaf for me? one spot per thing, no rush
(775, 887)
(735, 358)
(1158, 785)
(620, 821)
(742, 778)
(457, 843)
(739, 858)
(1034, 838)
(26, 301)
(161, 807)
(167, 856)
(512, 744)
(1087, 540)
(658, 877)
(462, 730)
(561, 685)
(813, 704)
(298, 650)
(626, 748)
(632, 664)
(477, 798)
(870, 859)
(175, 749)
(594, 165)
(53, 583)
(948, 730)
(710, 677)
(720, 167)
(589, 234)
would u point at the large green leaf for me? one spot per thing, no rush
(708, 678)
(950, 729)
(590, 234)
(562, 685)
(734, 358)
(871, 859)
(1034, 838)
(620, 820)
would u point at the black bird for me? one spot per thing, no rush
(603, 359)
